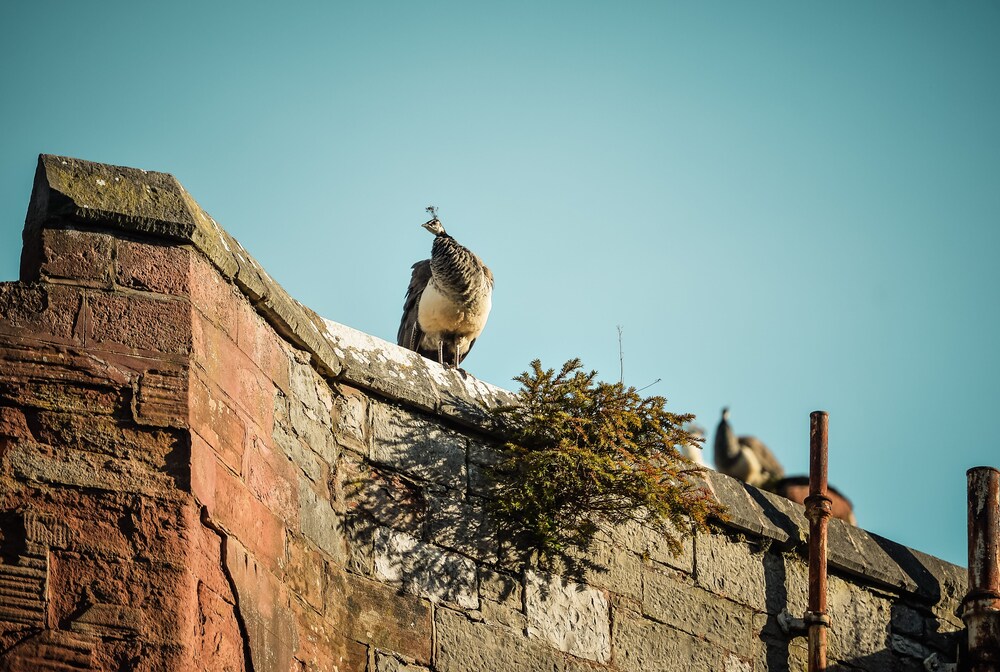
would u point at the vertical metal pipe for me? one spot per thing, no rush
(981, 606)
(818, 508)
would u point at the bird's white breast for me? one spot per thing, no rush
(439, 314)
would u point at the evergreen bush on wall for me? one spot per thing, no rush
(582, 455)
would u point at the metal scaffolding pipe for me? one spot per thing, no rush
(818, 510)
(981, 606)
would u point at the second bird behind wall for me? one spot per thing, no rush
(747, 458)
(448, 300)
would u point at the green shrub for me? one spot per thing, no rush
(581, 455)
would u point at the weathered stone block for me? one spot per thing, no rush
(463, 645)
(231, 372)
(266, 610)
(369, 611)
(289, 443)
(786, 580)
(909, 647)
(164, 269)
(68, 650)
(385, 497)
(262, 345)
(572, 617)
(319, 436)
(324, 648)
(460, 524)
(906, 620)
(500, 588)
(218, 637)
(42, 464)
(615, 569)
(321, 524)
(775, 651)
(39, 310)
(131, 596)
(306, 386)
(389, 663)
(859, 620)
(350, 417)
(78, 255)
(237, 511)
(305, 572)
(213, 295)
(13, 423)
(218, 423)
(272, 479)
(418, 447)
(730, 569)
(641, 645)
(698, 612)
(135, 323)
(159, 449)
(161, 397)
(424, 569)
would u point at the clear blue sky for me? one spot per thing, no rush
(787, 206)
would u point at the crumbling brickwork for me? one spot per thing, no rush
(197, 472)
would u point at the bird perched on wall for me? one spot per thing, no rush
(744, 457)
(448, 300)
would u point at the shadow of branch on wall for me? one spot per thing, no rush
(418, 514)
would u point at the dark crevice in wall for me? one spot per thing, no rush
(207, 521)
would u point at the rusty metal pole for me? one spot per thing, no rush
(981, 606)
(818, 508)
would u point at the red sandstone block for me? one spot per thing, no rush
(228, 368)
(269, 351)
(272, 478)
(160, 449)
(156, 268)
(236, 510)
(13, 423)
(218, 641)
(161, 396)
(78, 255)
(138, 323)
(37, 374)
(322, 648)
(149, 598)
(217, 423)
(228, 309)
(204, 560)
(265, 607)
(213, 295)
(305, 573)
(376, 613)
(203, 467)
(43, 311)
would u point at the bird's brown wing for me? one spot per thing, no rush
(767, 459)
(409, 334)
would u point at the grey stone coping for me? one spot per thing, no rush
(74, 192)
(850, 550)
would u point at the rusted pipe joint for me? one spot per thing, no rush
(816, 618)
(818, 507)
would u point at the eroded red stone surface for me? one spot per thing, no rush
(148, 518)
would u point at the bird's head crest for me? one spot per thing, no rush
(434, 225)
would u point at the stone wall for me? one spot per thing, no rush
(197, 472)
